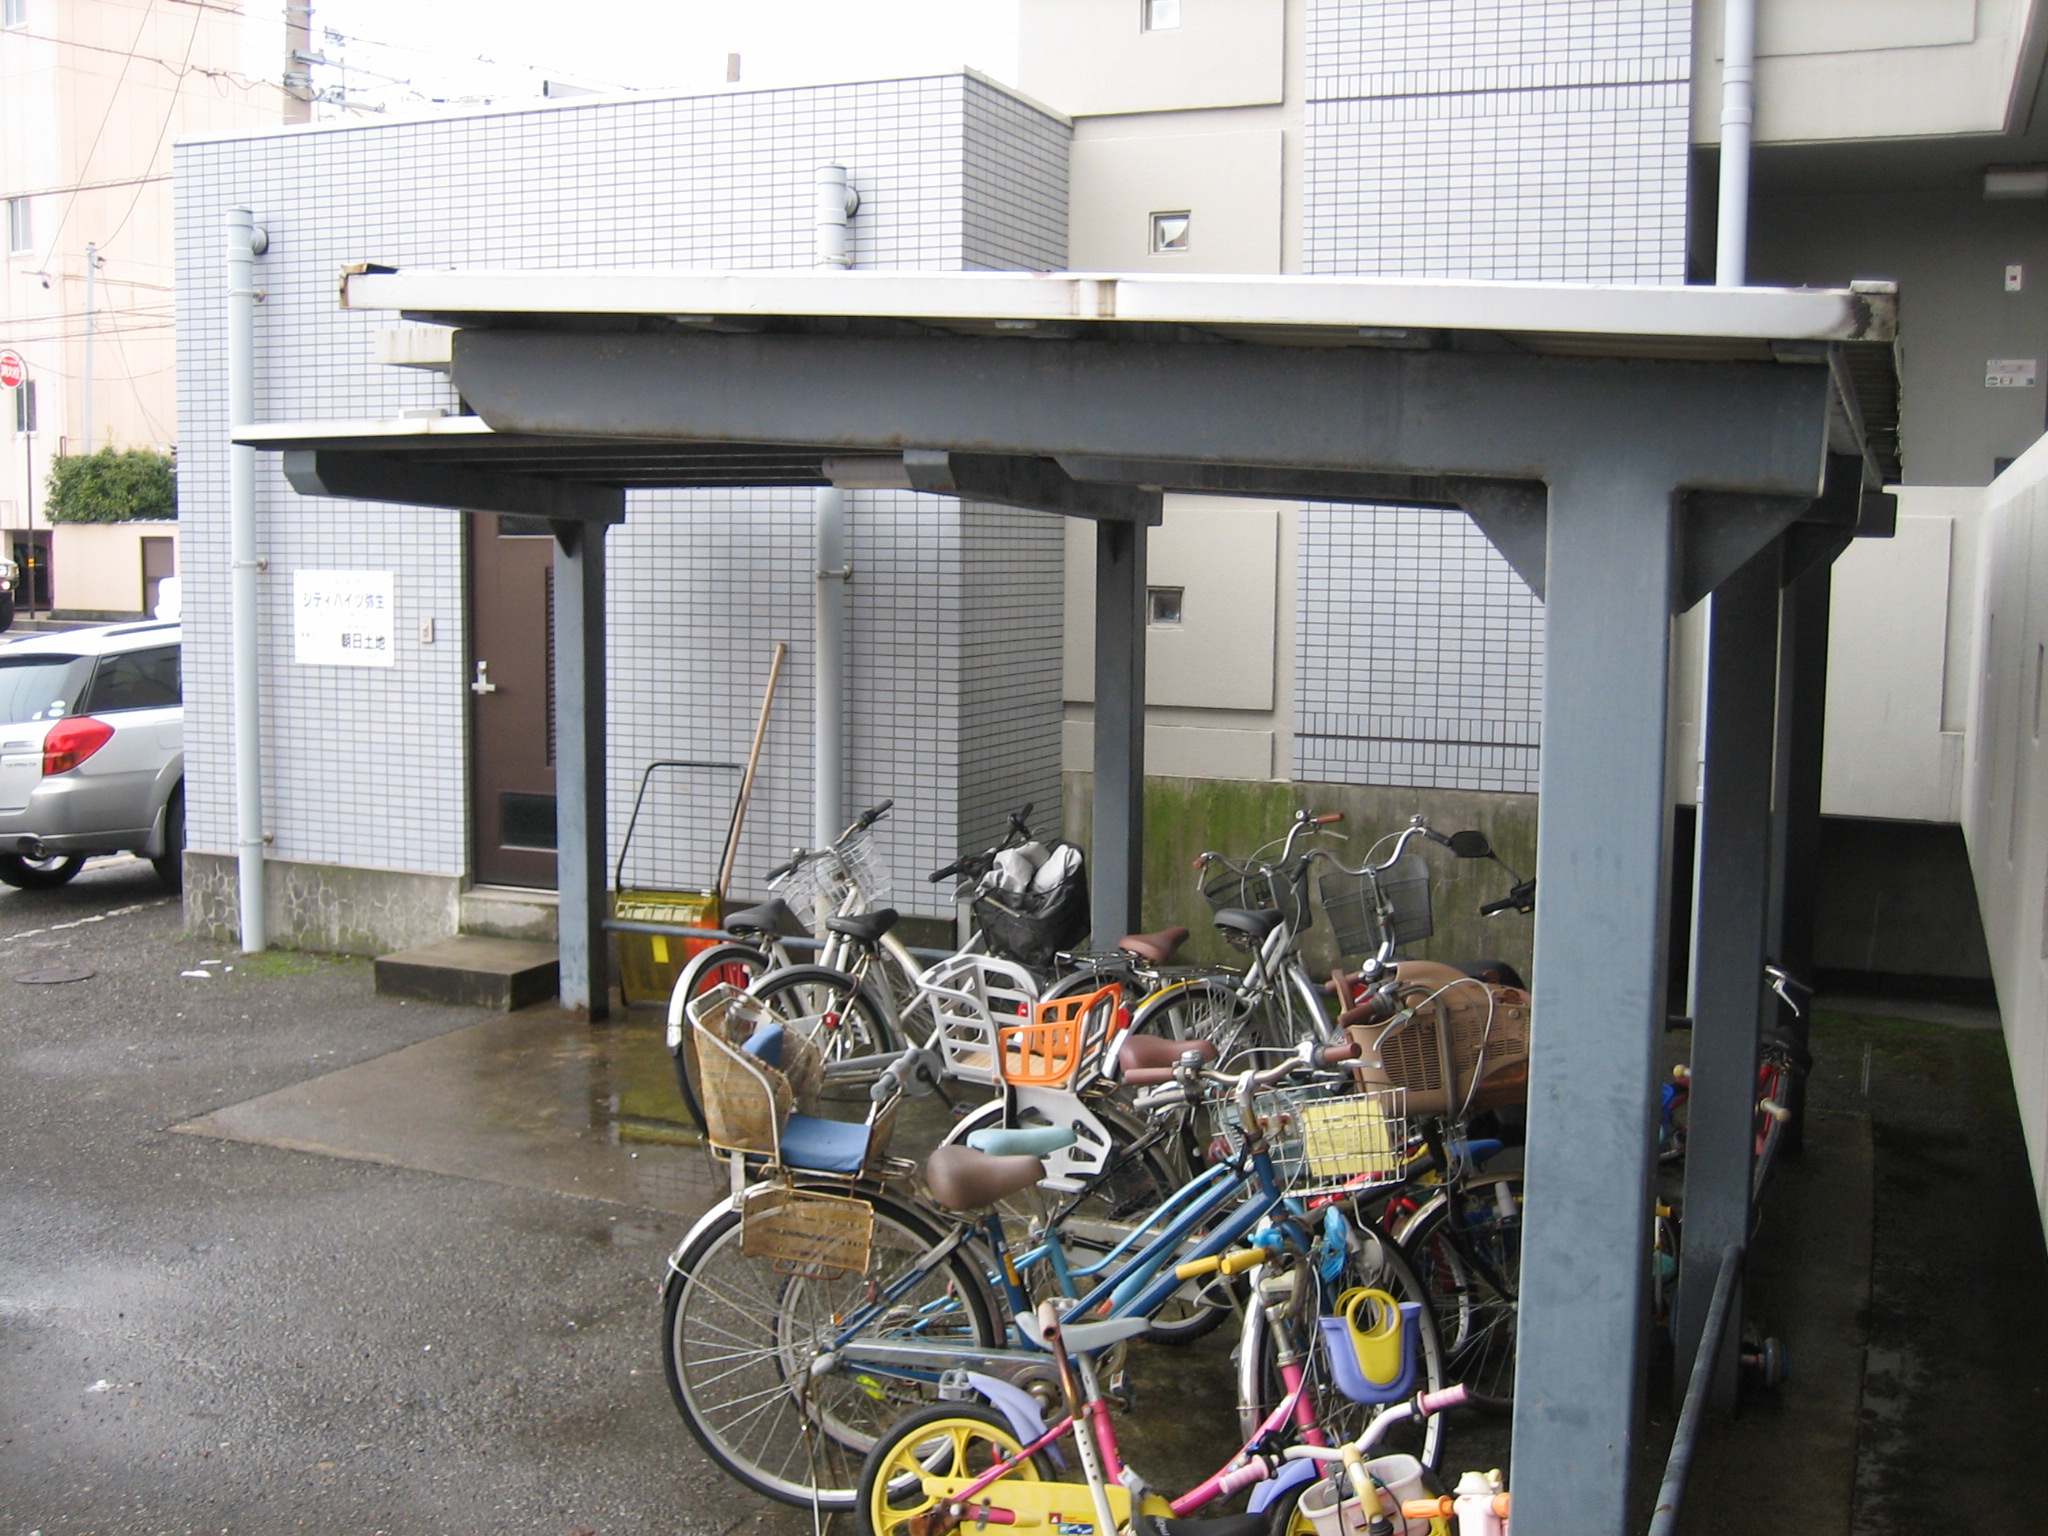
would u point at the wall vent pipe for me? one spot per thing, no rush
(831, 570)
(1738, 118)
(245, 243)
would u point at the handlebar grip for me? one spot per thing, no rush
(1195, 1267)
(1330, 1055)
(1245, 1258)
(1505, 904)
(1329, 818)
(1428, 1509)
(873, 814)
(895, 1077)
(780, 870)
(1450, 1397)
(1146, 1077)
(947, 873)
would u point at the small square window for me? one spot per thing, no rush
(1169, 232)
(1161, 15)
(1162, 606)
(21, 231)
(14, 13)
(24, 406)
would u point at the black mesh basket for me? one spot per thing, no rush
(1352, 903)
(1030, 929)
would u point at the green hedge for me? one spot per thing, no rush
(115, 485)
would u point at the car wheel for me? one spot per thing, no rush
(38, 874)
(170, 864)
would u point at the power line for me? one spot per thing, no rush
(106, 117)
(170, 111)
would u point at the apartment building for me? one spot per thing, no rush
(93, 94)
(1332, 654)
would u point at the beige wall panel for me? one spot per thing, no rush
(1867, 69)
(98, 566)
(1087, 57)
(1225, 557)
(1181, 751)
(1229, 184)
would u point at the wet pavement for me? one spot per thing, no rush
(277, 1254)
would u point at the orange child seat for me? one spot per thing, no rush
(1063, 1033)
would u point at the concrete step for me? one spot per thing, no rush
(510, 912)
(473, 971)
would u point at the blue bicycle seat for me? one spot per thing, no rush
(1022, 1140)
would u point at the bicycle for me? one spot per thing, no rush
(786, 1376)
(959, 1464)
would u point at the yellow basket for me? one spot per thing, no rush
(804, 1233)
(650, 962)
(1358, 1135)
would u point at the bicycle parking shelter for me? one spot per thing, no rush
(1630, 451)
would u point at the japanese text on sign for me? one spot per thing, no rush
(342, 618)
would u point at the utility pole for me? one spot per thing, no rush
(298, 72)
(92, 262)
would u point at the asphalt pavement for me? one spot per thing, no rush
(199, 1335)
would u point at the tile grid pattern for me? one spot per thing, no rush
(1488, 139)
(367, 767)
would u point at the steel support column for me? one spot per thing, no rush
(1116, 875)
(1731, 894)
(1802, 704)
(1603, 847)
(580, 843)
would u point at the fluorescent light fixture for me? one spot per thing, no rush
(2003, 181)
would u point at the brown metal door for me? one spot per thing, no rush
(159, 560)
(512, 699)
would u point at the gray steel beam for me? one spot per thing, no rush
(1117, 867)
(381, 477)
(1603, 836)
(1731, 893)
(1748, 427)
(1806, 605)
(580, 843)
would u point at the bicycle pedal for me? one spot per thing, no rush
(1122, 1394)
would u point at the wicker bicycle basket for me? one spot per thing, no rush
(804, 1233)
(1483, 1029)
(1353, 900)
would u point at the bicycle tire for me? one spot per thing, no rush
(957, 1440)
(765, 1419)
(728, 963)
(841, 1016)
(1380, 1262)
(1473, 1271)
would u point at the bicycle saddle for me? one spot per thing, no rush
(1253, 925)
(1144, 1061)
(1157, 947)
(962, 1179)
(772, 916)
(867, 928)
(1021, 1140)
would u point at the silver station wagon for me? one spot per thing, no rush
(92, 752)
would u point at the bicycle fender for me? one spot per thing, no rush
(1293, 1475)
(1017, 1406)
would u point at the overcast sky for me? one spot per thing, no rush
(504, 48)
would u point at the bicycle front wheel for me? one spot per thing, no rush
(933, 1454)
(1467, 1247)
(740, 1340)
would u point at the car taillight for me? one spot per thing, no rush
(71, 742)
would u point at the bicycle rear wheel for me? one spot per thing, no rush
(1197, 1008)
(1467, 1247)
(841, 1016)
(740, 1340)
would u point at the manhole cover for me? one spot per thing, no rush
(51, 975)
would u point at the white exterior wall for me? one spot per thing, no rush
(2005, 775)
(367, 767)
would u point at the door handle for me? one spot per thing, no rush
(483, 683)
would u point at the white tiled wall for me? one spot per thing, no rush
(1491, 139)
(366, 767)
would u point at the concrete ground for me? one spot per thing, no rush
(279, 1255)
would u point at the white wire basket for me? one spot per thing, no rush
(1320, 1139)
(817, 888)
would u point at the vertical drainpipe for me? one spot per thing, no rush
(245, 243)
(836, 203)
(1738, 113)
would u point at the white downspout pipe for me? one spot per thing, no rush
(245, 244)
(1738, 116)
(836, 203)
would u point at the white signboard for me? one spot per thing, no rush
(342, 618)
(2009, 373)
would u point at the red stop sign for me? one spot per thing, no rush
(13, 371)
